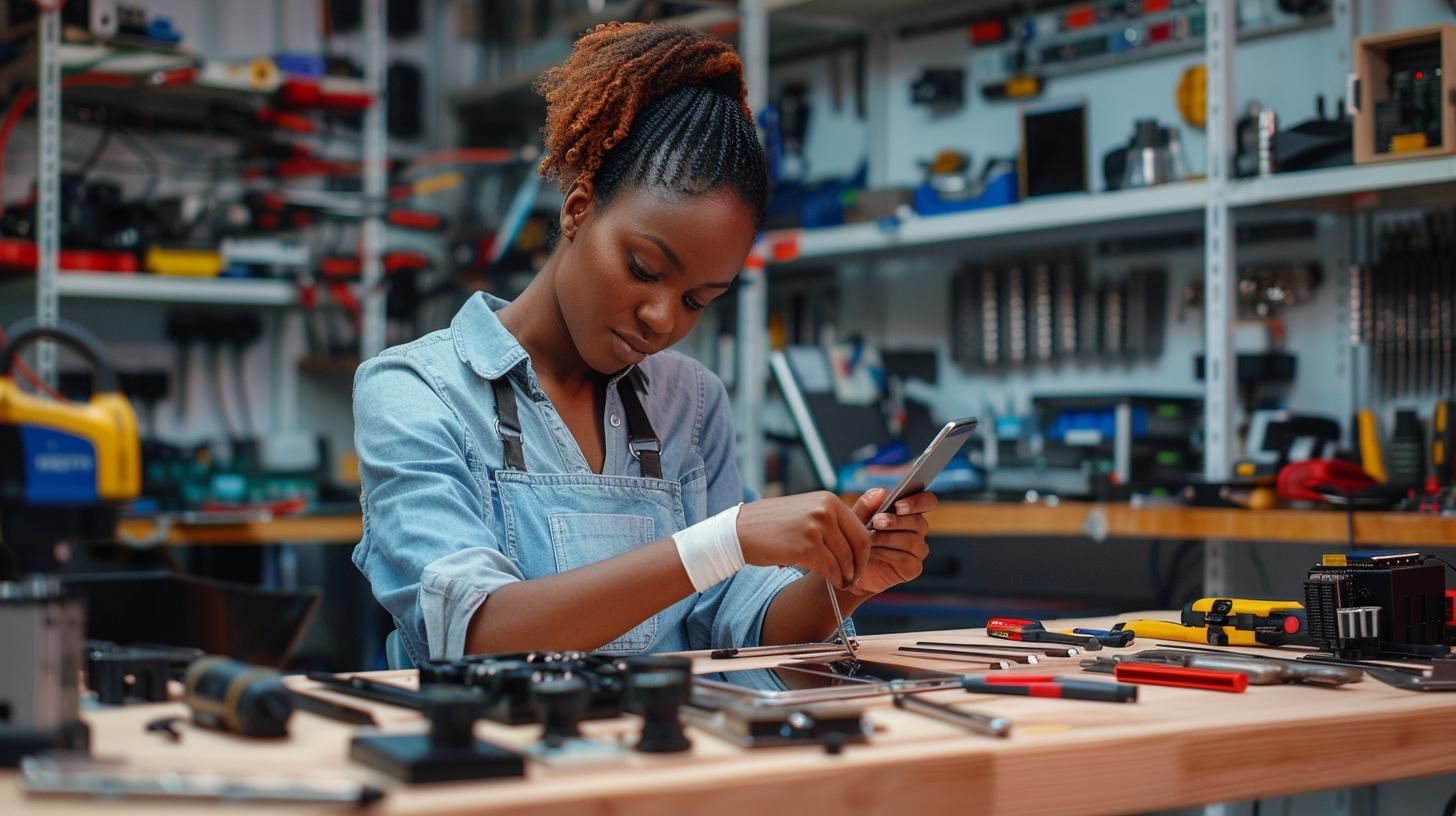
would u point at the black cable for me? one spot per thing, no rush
(1442, 560)
(154, 168)
(245, 414)
(1450, 808)
(213, 350)
(90, 163)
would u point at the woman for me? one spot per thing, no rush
(542, 474)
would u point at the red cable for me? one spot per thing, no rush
(27, 98)
(17, 110)
(30, 376)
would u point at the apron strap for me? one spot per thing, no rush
(508, 424)
(641, 439)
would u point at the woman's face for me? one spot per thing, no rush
(637, 273)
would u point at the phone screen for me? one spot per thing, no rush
(813, 674)
(932, 461)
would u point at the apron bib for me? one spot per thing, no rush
(565, 509)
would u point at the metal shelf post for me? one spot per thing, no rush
(372, 330)
(48, 193)
(752, 331)
(1218, 275)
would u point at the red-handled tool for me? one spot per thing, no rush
(1033, 632)
(1046, 685)
(1181, 677)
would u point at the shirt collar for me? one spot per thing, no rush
(492, 351)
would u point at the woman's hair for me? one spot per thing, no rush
(638, 105)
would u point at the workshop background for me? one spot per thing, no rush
(1054, 216)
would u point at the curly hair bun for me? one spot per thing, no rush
(614, 72)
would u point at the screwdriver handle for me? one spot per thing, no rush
(1443, 443)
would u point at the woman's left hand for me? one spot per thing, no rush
(897, 540)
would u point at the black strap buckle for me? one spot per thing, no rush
(648, 445)
(509, 433)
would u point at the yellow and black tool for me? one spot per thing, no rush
(1229, 622)
(65, 467)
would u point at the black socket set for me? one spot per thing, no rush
(508, 681)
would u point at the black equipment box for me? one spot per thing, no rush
(1408, 589)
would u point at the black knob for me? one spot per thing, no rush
(452, 713)
(642, 664)
(659, 697)
(562, 704)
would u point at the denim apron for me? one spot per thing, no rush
(542, 508)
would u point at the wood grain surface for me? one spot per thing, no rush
(1173, 748)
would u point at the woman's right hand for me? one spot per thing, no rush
(813, 531)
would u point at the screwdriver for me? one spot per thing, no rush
(1443, 443)
(1033, 632)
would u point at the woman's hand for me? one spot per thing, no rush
(897, 545)
(813, 531)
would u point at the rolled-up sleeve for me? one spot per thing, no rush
(429, 555)
(731, 613)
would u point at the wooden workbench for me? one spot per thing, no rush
(1173, 748)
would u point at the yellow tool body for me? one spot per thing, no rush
(54, 452)
(1229, 622)
(1178, 633)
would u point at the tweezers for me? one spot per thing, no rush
(785, 649)
(839, 619)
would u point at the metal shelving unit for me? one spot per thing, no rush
(51, 284)
(1218, 197)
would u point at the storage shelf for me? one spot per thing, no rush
(1103, 521)
(1319, 186)
(1051, 212)
(1316, 188)
(229, 291)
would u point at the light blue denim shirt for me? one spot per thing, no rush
(438, 536)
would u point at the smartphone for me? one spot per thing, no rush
(935, 457)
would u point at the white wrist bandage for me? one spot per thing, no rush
(709, 549)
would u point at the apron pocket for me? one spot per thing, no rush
(580, 539)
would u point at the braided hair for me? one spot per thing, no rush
(638, 105)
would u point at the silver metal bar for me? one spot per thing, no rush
(48, 191)
(1049, 651)
(972, 721)
(1220, 370)
(839, 620)
(372, 325)
(752, 331)
(988, 659)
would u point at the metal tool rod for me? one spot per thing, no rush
(839, 619)
(1049, 651)
(972, 721)
(992, 663)
(1015, 657)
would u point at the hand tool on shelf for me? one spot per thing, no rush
(972, 721)
(1049, 651)
(1107, 637)
(1046, 685)
(1161, 675)
(1032, 631)
(1443, 442)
